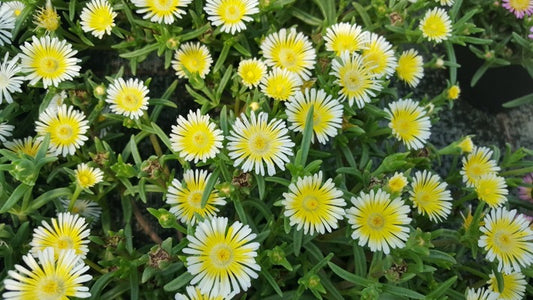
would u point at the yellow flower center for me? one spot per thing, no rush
(231, 12)
(200, 138)
(310, 203)
(434, 27)
(288, 58)
(222, 255)
(101, 19)
(503, 241)
(64, 132)
(519, 5)
(17, 12)
(352, 80)
(259, 144)
(376, 221)
(65, 243)
(53, 288)
(195, 200)
(84, 180)
(49, 65)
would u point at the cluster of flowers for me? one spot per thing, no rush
(220, 256)
(59, 271)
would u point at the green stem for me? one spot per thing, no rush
(468, 197)
(94, 266)
(74, 197)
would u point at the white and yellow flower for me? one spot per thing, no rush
(161, 11)
(222, 259)
(436, 25)
(67, 128)
(193, 57)
(477, 164)
(409, 123)
(327, 113)
(280, 84)
(50, 60)
(128, 98)
(430, 196)
(87, 176)
(251, 72)
(410, 67)
(342, 37)
(9, 81)
(98, 18)
(7, 23)
(290, 50)
(231, 14)
(196, 137)
(379, 56)
(256, 141)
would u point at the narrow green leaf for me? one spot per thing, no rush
(358, 280)
(359, 260)
(240, 211)
(224, 120)
(479, 73)
(401, 292)
(47, 197)
(222, 57)
(134, 151)
(100, 284)
(362, 13)
(327, 7)
(297, 239)
(209, 186)
(349, 156)
(162, 102)
(305, 17)
(260, 186)
(71, 10)
(195, 33)
(271, 281)
(15, 196)
(223, 82)
(134, 285)
(162, 135)
(301, 156)
(279, 180)
(140, 52)
(527, 99)
(333, 292)
(451, 57)
(443, 287)
(21, 19)
(178, 282)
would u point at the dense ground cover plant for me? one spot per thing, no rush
(278, 149)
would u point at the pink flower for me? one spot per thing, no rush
(519, 7)
(525, 191)
(531, 34)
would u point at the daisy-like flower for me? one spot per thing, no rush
(196, 137)
(430, 196)
(466, 145)
(47, 17)
(280, 84)
(9, 82)
(314, 205)
(67, 128)
(49, 59)
(410, 67)
(52, 276)
(28, 146)
(194, 293)
(514, 286)
(453, 92)
(409, 123)
(161, 11)
(397, 182)
(355, 78)
(379, 221)
(7, 23)
(86, 208)
(128, 98)
(342, 37)
(519, 8)
(57, 100)
(525, 192)
(379, 56)
(480, 294)
(251, 72)
(193, 57)
(327, 113)
(98, 18)
(446, 2)
(476, 164)
(436, 25)
(492, 189)
(16, 7)
(508, 238)
(256, 142)
(87, 176)
(222, 258)
(186, 199)
(6, 130)
(231, 14)
(290, 50)
(531, 32)
(66, 232)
